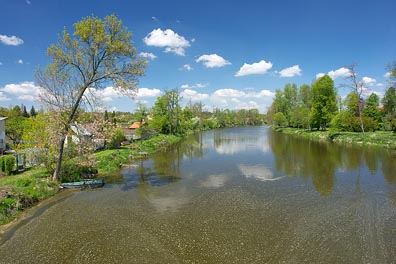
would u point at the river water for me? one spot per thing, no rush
(241, 195)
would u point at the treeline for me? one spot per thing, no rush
(318, 106)
(170, 118)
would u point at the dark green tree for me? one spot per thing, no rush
(324, 102)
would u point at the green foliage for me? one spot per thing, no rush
(24, 190)
(7, 164)
(280, 119)
(347, 121)
(371, 109)
(389, 101)
(324, 102)
(116, 138)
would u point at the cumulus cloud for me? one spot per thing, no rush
(320, 75)
(24, 90)
(193, 95)
(341, 72)
(197, 85)
(20, 61)
(387, 75)
(12, 41)
(232, 93)
(168, 39)
(4, 97)
(108, 94)
(369, 81)
(291, 71)
(147, 92)
(186, 67)
(148, 55)
(212, 61)
(260, 67)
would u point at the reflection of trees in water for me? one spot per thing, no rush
(167, 163)
(222, 138)
(303, 158)
(389, 166)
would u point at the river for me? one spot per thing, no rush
(240, 195)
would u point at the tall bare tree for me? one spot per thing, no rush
(357, 86)
(99, 53)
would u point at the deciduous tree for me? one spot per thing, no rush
(98, 53)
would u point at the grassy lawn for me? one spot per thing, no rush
(20, 191)
(385, 139)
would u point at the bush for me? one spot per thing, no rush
(280, 119)
(2, 166)
(116, 138)
(73, 172)
(7, 163)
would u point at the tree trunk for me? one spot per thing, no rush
(56, 175)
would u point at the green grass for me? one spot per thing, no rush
(18, 192)
(384, 139)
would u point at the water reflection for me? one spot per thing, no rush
(257, 172)
(226, 142)
(297, 157)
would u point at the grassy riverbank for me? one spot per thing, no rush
(382, 139)
(25, 189)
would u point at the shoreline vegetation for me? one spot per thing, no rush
(26, 189)
(382, 139)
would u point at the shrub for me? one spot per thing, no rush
(2, 168)
(7, 164)
(116, 138)
(280, 119)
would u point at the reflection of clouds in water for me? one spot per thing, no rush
(215, 181)
(234, 146)
(257, 172)
(168, 201)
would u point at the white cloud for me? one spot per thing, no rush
(320, 75)
(380, 85)
(197, 85)
(368, 81)
(228, 93)
(387, 75)
(212, 61)
(108, 94)
(193, 40)
(148, 55)
(4, 97)
(20, 61)
(12, 41)
(260, 67)
(341, 72)
(28, 2)
(171, 41)
(232, 93)
(24, 90)
(291, 71)
(187, 67)
(147, 92)
(193, 95)
(1, 63)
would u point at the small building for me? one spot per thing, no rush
(136, 125)
(85, 133)
(2, 134)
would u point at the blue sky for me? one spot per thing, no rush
(227, 54)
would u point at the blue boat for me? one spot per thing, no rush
(86, 183)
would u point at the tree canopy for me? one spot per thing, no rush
(97, 54)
